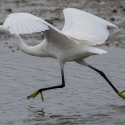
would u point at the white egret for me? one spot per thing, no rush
(75, 42)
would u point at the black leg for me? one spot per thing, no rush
(104, 76)
(55, 87)
(82, 62)
(44, 89)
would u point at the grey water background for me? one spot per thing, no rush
(86, 99)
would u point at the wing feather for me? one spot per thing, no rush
(32, 27)
(82, 26)
(20, 26)
(26, 23)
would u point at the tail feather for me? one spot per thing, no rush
(97, 51)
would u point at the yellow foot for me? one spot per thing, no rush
(121, 94)
(33, 95)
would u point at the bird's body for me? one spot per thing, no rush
(75, 42)
(62, 52)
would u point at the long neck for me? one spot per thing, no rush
(30, 50)
(38, 50)
(22, 46)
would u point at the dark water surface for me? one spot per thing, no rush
(86, 99)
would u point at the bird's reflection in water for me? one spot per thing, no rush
(35, 116)
(35, 112)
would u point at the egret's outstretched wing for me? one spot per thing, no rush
(81, 26)
(25, 23)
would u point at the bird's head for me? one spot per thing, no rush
(4, 31)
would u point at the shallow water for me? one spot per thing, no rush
(86, 99)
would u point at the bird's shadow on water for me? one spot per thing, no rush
(36, 112)
(39, 116)
(34, 115)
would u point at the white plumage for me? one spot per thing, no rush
(81, 26)
(75, 42)
(24, 23)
